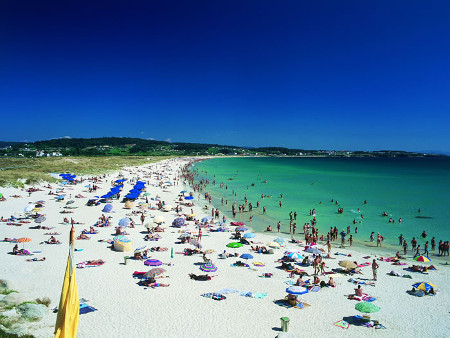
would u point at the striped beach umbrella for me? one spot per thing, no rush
(422, 258)
(154, 272)
(241, 228)
(424, 286)
(294, 255)
(208, 267)
(279, 240)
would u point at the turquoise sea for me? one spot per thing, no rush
(397, 186)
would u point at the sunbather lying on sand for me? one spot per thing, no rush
(201, 277)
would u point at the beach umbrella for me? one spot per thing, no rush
(294, 255)
(40, 219)
(195, 243)
(28, 208)
(246, 256)
(119, 237)
(61, 197)
(183, 191)
(107, 208)
(259, 264)
(206, 219)
(422, 258)
(124, 222)
(234, 245)
(158, 220)
(313, 251)
(424, 286)
(249, 235)
(208, 267)
(241, 229)
(273, 245)
(347, 264)
(154, 272)
(189, 198)
(296, 290)
(367, 307)
(153, 262)
(23, 240)
(178, 222)
(279, 240)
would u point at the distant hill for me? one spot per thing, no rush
(4, 144)
(125, 146)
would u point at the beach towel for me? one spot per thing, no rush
(259, 295)
(342, 324)
(227, 290)
(315, 289)
(85, 308)
(363, 264)
(289, 282)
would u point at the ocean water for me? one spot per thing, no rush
(397, 186)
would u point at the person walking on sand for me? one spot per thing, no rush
(199, 234)
(375, 267)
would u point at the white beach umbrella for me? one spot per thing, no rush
(158, 220)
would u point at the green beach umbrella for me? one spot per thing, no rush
(367, 307)
(234, 245)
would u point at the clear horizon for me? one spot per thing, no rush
(321, 75)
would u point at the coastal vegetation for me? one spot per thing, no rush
(18, 171)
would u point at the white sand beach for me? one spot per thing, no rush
(125, 309)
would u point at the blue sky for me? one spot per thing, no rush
(366, 75)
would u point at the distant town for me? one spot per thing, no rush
(123, 146)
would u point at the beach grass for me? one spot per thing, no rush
(17, 172)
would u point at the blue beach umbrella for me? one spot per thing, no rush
(242, 229)
(189, 198)
(249, 235)
(178, 222)
(246, 256)
(206, 219)
(107, 208)
(124, 222)
(294, 255)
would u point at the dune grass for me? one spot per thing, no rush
(17, 172)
